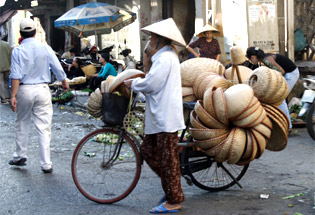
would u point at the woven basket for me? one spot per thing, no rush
(244, 72)
(279, 136)
(125, 75)
(223, 152)
(105, 84)
(210, 143)
(89, 70)
(204, 84)
(237, 146)
(206, 118)
(208, 101)
(237, 55)
(261, 142)
(263, 129)
(191, 98)
(204, 134)
(245, 159)
(187, 91)
(220, 106)
(254, 105)
(190, 69)
(195, 122)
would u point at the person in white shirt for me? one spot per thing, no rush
(164, 111)
(30, 94)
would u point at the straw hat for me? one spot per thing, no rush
(210, 143)
(206, 28)
(89, 70)
(220, 106)
(244, 72)
(223, 152)
(127, 74)
(278, 113)
(195, 122)
(238, 99)
(206, 118)
(190, 69)
(204, 134)
(237, 146)
(237, 55)
(168, 29)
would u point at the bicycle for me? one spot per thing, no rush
(105, 156)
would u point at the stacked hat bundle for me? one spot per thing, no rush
(106, 84)
(94, 106)
(230, 125)
(244, 72)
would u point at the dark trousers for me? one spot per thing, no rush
(95, 82)
(160, 151)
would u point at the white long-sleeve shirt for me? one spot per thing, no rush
(163, 91)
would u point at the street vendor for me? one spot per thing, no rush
(208, 46)
(74, 70)
(279, 63)
(164, 111)
(106, 70)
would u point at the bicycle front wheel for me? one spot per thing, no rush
(310, 121)
(209, 175)
(106, 166)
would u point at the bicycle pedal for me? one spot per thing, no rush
(188, 180)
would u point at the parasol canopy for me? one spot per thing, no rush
(95, 18)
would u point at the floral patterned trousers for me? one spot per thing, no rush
(160, 151)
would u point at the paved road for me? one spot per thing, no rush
(27, 191)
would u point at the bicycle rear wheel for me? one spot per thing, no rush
(209, 175)
(106, 166)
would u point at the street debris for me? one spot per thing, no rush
(264, 196)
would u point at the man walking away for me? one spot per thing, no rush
(30, 96)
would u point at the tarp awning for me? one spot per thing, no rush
(6, 15)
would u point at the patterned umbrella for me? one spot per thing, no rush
(95, 18)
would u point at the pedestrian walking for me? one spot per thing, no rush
(164, 111)
(30, 96)
(208, 46)
(279, 63)
(5, 53)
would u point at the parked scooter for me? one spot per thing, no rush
(308, 100)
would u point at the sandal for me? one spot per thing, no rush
(21, 162)
(161, 209)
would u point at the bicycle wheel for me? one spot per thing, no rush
(106, 166)
(310, 121)
(209, 175)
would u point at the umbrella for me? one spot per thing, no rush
(95, 18)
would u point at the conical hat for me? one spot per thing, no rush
(166, 28)
(206, 28)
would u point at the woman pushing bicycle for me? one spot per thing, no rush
(164, 111)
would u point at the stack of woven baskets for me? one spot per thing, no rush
(235, 123)
(111, 85)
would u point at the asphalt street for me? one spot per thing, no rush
(27, 191)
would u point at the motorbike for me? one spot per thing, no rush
(308, 108)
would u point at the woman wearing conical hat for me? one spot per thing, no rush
(164, 111)
(208, 46)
